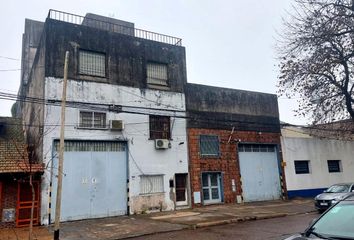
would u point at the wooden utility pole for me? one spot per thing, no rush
(61, 151)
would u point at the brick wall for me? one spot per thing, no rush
(8, 199)
(227, 163)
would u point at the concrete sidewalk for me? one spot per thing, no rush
(139, 225)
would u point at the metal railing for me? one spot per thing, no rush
(108, 26)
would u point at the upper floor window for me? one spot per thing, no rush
(92, 119)
(92, 63)
(209, 145)
(333, 166)
(159, 127)
(302, 167)
(156, 75)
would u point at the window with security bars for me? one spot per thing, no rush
(156, 74)
(256, 148)
(92, 119)
(209, 145)
(151, 184)
(92, 63)
(302, 167)
(333, 166)
(159, 127)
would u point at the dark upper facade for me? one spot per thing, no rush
(224, 108)
(123, 53)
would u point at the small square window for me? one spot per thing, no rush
(92, 119)
(302, 167)
(209, 145)
(92, 63)
(156, 75)
(159, 127)
(151, 184)
(334, 166)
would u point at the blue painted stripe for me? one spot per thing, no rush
(305, 192)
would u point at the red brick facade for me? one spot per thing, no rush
(8, 199)
(227, 163)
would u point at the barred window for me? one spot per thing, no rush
(256, 148)
(333, 166)
(92, 63)
(209, 145)
(159, 127)
(151, 184)
(156, 74)
(302, 167)
(92, 119)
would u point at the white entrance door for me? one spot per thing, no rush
(211, 188)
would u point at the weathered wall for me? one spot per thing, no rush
(126, 56)
(30, 41)
(227, 162)
(143, 157)
(223, 108)
(8, 197)
(317, 151)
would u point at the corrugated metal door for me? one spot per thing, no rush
(94, 182)
(259, 172)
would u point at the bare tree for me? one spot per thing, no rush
(316, 53)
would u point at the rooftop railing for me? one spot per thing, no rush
(113, 27)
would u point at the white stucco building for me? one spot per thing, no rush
(125, 125)
(314, 162)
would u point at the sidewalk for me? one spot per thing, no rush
(132, 226)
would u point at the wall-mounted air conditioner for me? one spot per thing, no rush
(116, 125)
(162, 143)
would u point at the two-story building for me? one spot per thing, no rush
(125, 124)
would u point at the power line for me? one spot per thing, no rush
(10, 58)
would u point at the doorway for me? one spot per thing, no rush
(181, 189)
(211, 184)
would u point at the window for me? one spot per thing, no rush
(302, 167)
(92, 63)
(159, 127)
(209, 145)
(92, 119)
(151, 184)
(333, 166)
(256, 148)
(156, 75)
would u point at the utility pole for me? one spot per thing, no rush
(61, 151)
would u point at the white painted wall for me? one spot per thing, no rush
(317, 151)
(143, 157)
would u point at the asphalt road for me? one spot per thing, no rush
(276, 228)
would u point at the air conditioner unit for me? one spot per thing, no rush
(116, 125)
(162, 143)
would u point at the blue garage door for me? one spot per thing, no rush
(94, 181)
(259, 172)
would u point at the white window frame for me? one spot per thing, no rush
(92, 120)
(147, 184)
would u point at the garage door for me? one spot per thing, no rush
(94, 181)
(259, 172)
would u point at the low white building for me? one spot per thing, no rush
(125, 124)
(314, 161)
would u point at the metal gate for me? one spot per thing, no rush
(259, 172)
(24, 204)
(94, 181)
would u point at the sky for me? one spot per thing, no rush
(229, 43)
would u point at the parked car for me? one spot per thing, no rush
(335, 223)
(332, 195)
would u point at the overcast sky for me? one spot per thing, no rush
(228, 43)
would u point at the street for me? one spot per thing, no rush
(276, 228)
